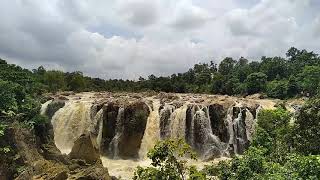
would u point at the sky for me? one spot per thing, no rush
(131, 38)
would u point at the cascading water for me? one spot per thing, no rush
(69, 123)
(178, 122)
(211, 129)
(119, 130)
(97, 127)
(152, 132)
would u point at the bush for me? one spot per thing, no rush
(256, 82)
(277, 89)
(303, 167)
(306, 128)
(7, 97)
(166, 163)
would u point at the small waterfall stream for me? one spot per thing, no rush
(152, 132)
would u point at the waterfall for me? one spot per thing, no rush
(97, 127)
(152, 132)
(165, 120)
(230, 124)
(127, 127)
(250, 124)
(178, 123)
(211, 129)
(69, 123)
(114, 145)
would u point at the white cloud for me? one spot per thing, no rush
(129, 38)
(189, 16)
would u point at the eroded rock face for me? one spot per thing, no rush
(110, 114)
(43, 161)
(123, 129)
(83, 149)
(134, 124)
(54, 106)
(217, 114)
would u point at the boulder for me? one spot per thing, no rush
(96, 171)
(84, 149)
(50, 170)
(54, 106)
(133, 123)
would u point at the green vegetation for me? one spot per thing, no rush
(281, 149)
(19, 104)
(167, 164)
(277, 77)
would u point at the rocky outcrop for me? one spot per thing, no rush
(54, 106)
(123, 129)
(217, 114)
(36, 160)
(83, 149)
(133, 126)
(110, 114)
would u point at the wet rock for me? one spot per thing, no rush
(134, 123)
(219, 126)
(50, 170)
(54, 106)
(110, 114)
(94, 172)
(165, 120)
(83, 148)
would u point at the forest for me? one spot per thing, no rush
(276, 77)
(280, 150)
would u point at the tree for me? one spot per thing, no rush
(166, 162)
(277, 89)
(274, 133)
(306, 128)
(226, 66)
(256, 82)
(217, 83)
(274, 67)
(55, 80)
(309, 79)
(76, 81)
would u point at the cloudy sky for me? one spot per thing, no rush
(129, 38)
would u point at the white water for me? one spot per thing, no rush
(152, 132)
(178, 123)
(69, 123)
(75, 118)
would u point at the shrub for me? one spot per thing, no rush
(306, 128)
(277, 89)
(303, 167)
(166, 163)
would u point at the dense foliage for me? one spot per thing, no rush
(276, 77)
(167, 163)
(19, 106)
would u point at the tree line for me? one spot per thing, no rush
(277, 77)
